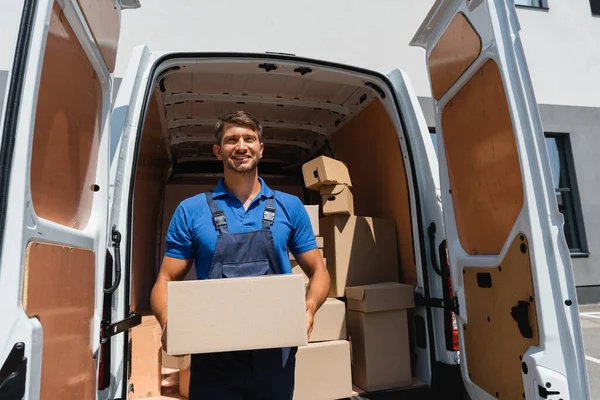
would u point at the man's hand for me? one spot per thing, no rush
(312, 264)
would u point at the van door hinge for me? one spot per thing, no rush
(437, 303)
(12, 373)
(109, 330)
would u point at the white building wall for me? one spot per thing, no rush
(562, 44)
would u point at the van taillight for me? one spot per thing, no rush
(451, 325)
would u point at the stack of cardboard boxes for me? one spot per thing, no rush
(323, 367)
(362, 260)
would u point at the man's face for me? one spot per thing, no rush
(240, 149)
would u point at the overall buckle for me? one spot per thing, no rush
(219, 219)
(269, 214)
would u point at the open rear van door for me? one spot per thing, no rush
(511, 271)
(54, 202)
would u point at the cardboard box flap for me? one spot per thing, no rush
(325, 171)
(380, 297)
(333, 190)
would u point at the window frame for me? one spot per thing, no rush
(595, 7)
(543, 5)
(567, 158)
(567, 155)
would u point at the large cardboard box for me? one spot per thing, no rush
(323, 371)
(216, 315)
(330, 322)
(146, 358)
(378, 332)
(337, 199)
(325, 171)
(359, 251)
(313, 214)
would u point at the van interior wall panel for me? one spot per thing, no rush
(104, 22)
(59, 289)
(493, 341)
(370, 147)
(456, 50)
(483, 162)
(151, 175)
(67, 130)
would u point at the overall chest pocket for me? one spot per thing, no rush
(242, 269)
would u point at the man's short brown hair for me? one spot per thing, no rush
(237, 118)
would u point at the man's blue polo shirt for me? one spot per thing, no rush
(192, 233)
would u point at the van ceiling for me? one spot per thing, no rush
(299, 106)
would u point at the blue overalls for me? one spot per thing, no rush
(253, 374)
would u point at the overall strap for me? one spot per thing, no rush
(269, 214)
(218, 216)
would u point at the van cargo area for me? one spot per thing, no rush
(306, 111)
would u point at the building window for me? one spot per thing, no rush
(565, 186)
(532, 3)
(567, 194)
(595, 4)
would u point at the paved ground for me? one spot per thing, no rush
(590, 325)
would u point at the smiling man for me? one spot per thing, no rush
(241, 228)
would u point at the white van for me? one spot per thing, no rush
(478, 229)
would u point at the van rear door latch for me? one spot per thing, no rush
(109, 330)
(451, 303)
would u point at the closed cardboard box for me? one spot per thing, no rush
(337, 199)
(313, 214)
(145, 358)
(230, 314)
(379, 335)
(330, 322)
(323, 371)
(380, 297)
(176, 362)
(325, 171)
(359, 251)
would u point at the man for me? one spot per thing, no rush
(241, 228)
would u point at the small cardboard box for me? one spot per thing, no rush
(378, 332)
(337, 199)
(330, 322)
(176, 362)
(359, 251)
(216, 315)
(325, 171)
(146, 358)
(323, 371)
(313, 214)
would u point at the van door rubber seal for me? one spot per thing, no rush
(13, 106)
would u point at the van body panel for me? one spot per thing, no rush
(127, 114)
(510, 264)
(71, 241)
